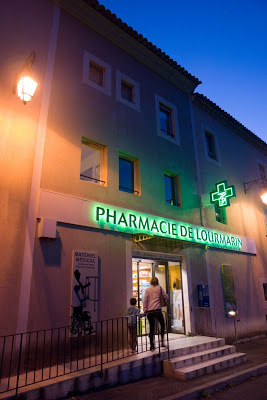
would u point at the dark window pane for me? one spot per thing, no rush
(96, 74)
(262, 172)
(210, 145)
(126, 91)
(170, 190)
(220, 214)
(165, 120)
(265, 291)
(126, 175)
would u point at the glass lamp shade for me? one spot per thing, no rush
(232, 313)
(26, 87)
(264, 197)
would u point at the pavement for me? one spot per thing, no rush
(161, 388)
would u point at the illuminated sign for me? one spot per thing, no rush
(222, 194)
(81, 212)
(127, 221)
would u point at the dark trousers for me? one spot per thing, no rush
(132, 336)
(152, 316)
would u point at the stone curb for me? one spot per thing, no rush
(195, 393)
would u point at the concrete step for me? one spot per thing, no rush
(194, 348)
(209, 366)
(198, 357)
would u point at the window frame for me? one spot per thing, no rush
(175, 185)
(264, 284)
(175, 138)
(217, 161)
(102, 181)
(220, 210)
(87, 59)
(136, 173)
(259, 163)
(135, 104)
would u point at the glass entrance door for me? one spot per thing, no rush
(142, 274)
(170, 279)
(175, 308)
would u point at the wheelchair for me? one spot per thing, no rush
(81, 322)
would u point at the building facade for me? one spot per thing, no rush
(108, 171)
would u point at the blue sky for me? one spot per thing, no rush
(223, 43)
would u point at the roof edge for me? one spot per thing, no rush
(214, 110)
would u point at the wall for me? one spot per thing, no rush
(238, 164)
(18, 125)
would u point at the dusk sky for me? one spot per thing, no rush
(224, 44)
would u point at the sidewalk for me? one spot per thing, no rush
(161, 388)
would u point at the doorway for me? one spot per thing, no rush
(170, 279)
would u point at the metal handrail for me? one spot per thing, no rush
(94, 179)
(40, 355)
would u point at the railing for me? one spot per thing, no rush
(209, 323)
(41, 355)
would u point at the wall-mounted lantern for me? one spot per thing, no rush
(262, 183)
(25, 83)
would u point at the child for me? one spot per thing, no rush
(131, 314)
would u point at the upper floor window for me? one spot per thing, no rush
(171, 189)
(128, 174)
(265, 291)
(166, 118)
(262, 174)
(220, 214)
(211, 146)
(96, 73)
(92, 162)
(127, 91)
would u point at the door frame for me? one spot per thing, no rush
(151, 257)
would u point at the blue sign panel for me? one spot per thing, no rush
(203, 296)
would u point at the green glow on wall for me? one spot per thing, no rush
(222, 194)
(133, 222)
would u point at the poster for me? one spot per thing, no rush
(84, 299)
(228, 288)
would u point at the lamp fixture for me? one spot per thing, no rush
(262, 183)
(232, 313)
(25, 84)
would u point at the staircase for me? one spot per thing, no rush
(199, 360)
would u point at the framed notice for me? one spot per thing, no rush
(85, 273)
(228, 288)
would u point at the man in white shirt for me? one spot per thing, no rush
(152, 308)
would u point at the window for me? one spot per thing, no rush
(170, 182)
(166, 118)
(127, 91)
(92, 156)
(264, 211)
(210, 145)
(220, 214)
(96, 73)
(265, 291)
(261, 169)
(129, 174)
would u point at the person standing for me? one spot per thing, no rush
(131, 313)
(152, 308)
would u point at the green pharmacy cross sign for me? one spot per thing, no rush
(222, 194)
